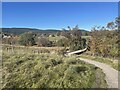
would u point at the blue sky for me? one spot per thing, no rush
(58, 15)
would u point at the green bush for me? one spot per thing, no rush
(27, 39)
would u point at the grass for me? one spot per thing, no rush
(112, 63)
(56, 38)
(30, 49)
(86, 37)
(48, 70)
(99, 81)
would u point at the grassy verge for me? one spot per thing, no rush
(112, 63)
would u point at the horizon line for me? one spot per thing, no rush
(44, 28)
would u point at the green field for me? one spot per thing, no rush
(48, 70)
(56, 38)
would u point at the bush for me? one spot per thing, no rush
(62, 42)
(42, 41)
(27, 39)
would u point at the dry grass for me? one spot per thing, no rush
(30, 49)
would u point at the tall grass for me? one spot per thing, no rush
(46, 70)
(13, 49)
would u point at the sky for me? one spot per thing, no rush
(58, 15)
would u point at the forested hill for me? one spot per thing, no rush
(18, 31)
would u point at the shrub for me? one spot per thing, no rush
(42, 41)
(27, 39)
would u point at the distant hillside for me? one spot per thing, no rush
(17, 31)
(23, 30)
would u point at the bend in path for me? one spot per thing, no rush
(111, 74)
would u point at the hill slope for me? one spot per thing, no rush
(18, 31)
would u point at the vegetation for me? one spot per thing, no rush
(67, 38)
(75, 42)
(55, 38)
(18, 31)
(27, 39)
(37, 60)
(13, 49)
(113, 63)
(42, 41)
(45, 70)
(104, 41)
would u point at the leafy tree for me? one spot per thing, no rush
(74, 38)
(105, 41)
(83, 43)
(111, 25)
(93, 44)
(27, 39)
(65, 33)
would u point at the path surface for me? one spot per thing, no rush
(111, 74)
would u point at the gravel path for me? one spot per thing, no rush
(111, 74)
